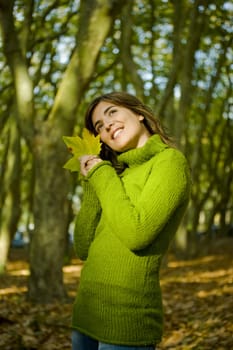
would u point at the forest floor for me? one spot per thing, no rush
(197, 296)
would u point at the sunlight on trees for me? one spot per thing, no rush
(55, 58)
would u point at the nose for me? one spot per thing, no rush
(108, 124)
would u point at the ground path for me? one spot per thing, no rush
(198, 305)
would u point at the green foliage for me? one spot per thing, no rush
(181, 54)
(88, 144)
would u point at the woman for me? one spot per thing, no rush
(135, 195)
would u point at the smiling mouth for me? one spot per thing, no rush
(117, 133)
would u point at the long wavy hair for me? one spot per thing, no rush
(132, 103)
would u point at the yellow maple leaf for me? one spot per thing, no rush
(88, 144)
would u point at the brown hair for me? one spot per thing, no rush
(132, 103)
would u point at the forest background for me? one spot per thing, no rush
(55, 57)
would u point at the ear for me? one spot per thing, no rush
(141, 117)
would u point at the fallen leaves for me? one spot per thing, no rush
(197, 297)
(28, 326)
(198, 303)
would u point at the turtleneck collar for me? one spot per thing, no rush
(142, 154)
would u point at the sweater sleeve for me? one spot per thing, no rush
(166, 189)
(86, 221)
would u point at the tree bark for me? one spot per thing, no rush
(197, 22)
(51, 205)
(129, 67)
(44, 138)
(23, 86)
(10, 213)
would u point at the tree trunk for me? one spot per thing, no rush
(129, 67)
(10, 212)
(23, 112)
(52, 182)
(45, 138)
(197, 22)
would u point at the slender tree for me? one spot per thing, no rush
(45, 137)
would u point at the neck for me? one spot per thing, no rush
(143, 138)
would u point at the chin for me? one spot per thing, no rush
(120, 148)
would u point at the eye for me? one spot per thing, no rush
(99, 127)
(112, 111)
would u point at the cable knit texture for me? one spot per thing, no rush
(123, 230)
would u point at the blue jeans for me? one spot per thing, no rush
(83, 342)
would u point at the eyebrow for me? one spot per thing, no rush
(105, 112)
(107, 109)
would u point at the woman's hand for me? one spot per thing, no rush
(87, 162)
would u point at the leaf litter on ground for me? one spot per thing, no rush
(197, 298)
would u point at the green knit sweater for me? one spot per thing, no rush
(122, 231)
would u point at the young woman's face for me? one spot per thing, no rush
(119, 127)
